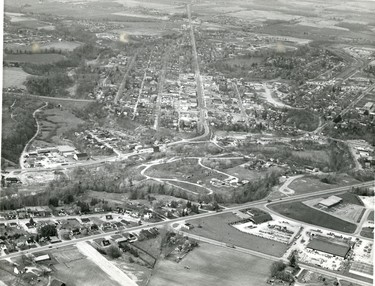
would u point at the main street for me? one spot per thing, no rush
(202, 124)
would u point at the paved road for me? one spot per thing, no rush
(123, 82)
(273, 258)
(181, 219)
(202, 124)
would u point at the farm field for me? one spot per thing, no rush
(217, 227)
(34, 58)
(303, 213)
(64, 45)
(211, 266)
(14, 77)
(312, 184)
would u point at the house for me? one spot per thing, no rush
(42, 258)
(66, 150)
(330, 201)
(188, 226)
(105, 242)
(81, 156)
(54, 239)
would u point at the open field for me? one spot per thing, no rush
(34, 58)
(79, 271)
(54, 123)
(311, 184)
(211, 266)
(14, 77)
(303, 213)
(64, 46)
(218, 228)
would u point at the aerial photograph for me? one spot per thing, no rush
(187, 142)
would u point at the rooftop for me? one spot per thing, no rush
(330, 201)
(334, 248)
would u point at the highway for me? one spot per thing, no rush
(274, 258)
(180, 219)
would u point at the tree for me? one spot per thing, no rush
(293, 260)
(54, 202)
(276, 267)
(31, 221)
(113, 251)
(48, 230)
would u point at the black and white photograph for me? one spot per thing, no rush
(187, 142)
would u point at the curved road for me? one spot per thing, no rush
(35, 135)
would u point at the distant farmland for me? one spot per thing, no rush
(34, 58)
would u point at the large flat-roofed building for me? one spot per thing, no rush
(337, 248)
(330, 201)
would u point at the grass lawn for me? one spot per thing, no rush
(34, 58)
(309, 184)
(301, 212)
(82, 272)
(349, 198)
(371, 216)
(217, 227)
(212, 266)
(14, 77)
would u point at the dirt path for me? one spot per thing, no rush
(113, 272)
(35, 135)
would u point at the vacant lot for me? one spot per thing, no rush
(211, 266)
(14, 77)
(82, 272)
(313, 184)
(301, 212)
(349, 198)
(217, 227)
(34, 58)
(54, 123)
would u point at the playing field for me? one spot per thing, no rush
(217, 228)
(212, 266)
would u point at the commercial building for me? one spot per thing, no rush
(330, 201)
(337, 248)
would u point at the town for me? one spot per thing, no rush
(175, 143)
